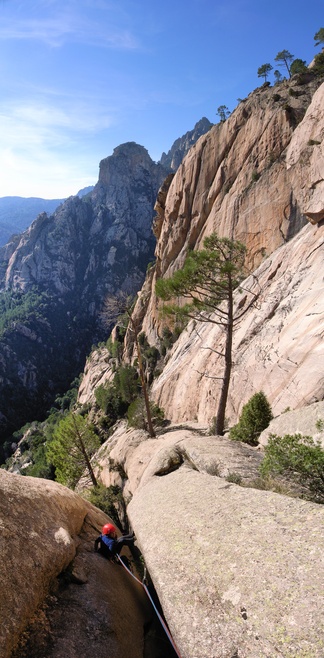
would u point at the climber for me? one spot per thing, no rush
(108, 544)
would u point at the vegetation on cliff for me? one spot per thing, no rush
(204, 288)
(299, 458)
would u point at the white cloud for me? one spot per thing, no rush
(42, 146)
(44, 173)
(66, 24)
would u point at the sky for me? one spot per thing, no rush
(80, 77)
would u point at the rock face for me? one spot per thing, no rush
(44, 527)
(91, 239)
(278, 347)
(181, 146)
(235, 181)
(308, 421)
(231, 564)
(305, 157)
(60, 271)
(244, 180)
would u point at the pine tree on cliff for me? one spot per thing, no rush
(205, 291)
(264, 70)
(284, 58)
(70, 451)
(319, 37)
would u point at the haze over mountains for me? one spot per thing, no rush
(17, 213)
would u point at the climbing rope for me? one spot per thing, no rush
(154, 606)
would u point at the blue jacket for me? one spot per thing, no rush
(110, 542)
(106, 545)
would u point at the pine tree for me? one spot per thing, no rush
(74, 443)
(207, 281)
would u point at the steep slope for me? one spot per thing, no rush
(55, 276)
(266, 214)
(278, 348)
(231, 564)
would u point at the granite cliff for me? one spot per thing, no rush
(278, 215)
(231, 563)
(277, 347)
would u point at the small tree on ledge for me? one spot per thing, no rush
(264, 70)
(207, 281)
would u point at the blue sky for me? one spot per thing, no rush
(80, 77)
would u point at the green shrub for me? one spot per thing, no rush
(255, 176)
(108, 499)
(40, 467)
(114, 397)
(126, 382)
(300, 458)
(110, 402)
(318, 68)
(137, 417)
(298, 66)
(319, 425)
(235, 478)
(255, 417)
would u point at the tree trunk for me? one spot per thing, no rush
(143, 382)
(85, 455)
(220, 417)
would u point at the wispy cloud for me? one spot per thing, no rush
(48, 120)
(72, 23)
(43, 145)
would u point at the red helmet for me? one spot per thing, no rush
(108, 528)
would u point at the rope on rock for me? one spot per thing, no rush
(154, 606)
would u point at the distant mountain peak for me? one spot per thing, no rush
(181, 146)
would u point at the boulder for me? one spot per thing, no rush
(238, 571)
(308, 421)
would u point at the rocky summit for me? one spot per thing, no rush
(55, 276)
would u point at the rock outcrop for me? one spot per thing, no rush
(248, 179)
(307, 421)
(47, 535)
(231, 564)
(305, 158)
(278, 347)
